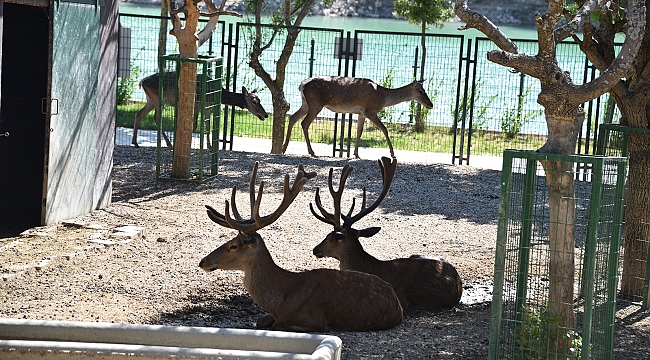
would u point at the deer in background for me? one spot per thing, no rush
(304, 301)
(348, 95)
(150, 84)
(416, 280)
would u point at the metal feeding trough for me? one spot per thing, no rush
(36, 339)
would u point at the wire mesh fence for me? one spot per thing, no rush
(204, 109)
(557, 256)
(632, 143)
(480, 108)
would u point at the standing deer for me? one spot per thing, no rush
(416, 280)
(304, 301)
(348, 95)
(245, 100)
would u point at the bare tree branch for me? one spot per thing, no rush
(576, 23)
(479, 22)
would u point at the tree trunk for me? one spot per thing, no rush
(637, 218)
(185, 123)
(280, 109)
(562, 244)
(419, 119)
(162, 33)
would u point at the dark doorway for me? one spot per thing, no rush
(25, 50)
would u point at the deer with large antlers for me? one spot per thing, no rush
(304, 301)
(347, 95)
(417, 280)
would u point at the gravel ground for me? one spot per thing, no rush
(435, 210)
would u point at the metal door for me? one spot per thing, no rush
(72, 109)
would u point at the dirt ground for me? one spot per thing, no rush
(81, 271)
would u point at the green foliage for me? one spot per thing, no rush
(514, 119)
(533, 336)
(126, 86)
(479, 117)
(432, 12)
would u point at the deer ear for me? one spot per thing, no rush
(244, 91)
(247, 239)
(368, 232)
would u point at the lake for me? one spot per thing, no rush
(356, 23)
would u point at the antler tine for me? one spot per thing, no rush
(216, 216)
(251, 187)
(290, 194)
(387, 168)
(234, 206)
(327, 217)
(334, 219)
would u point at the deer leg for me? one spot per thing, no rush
(375, 120)
(306, 122)
(293, 119)
(155, 119)
(138, 118)
(265, 321)
(361, 120)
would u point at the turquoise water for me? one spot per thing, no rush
(355, 23)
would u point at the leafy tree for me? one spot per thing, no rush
(562, 101)
(423, 13)
(632, 96)
(288, 17)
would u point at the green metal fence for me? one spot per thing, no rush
(632, 143)
(206, 109)
(480, 108)
(523, 322)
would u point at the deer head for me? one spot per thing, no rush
(344, 238)
(420, 95)
(253, 103)
(241, 251)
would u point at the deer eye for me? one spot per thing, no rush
(232, 247)
(338, 236)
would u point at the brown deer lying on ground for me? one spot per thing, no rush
(304, 301)
(348, 95)
(150, 84)
(416, 280)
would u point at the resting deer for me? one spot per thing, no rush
(304, 301)
(245, 100)
(348, 95)
(416, 280)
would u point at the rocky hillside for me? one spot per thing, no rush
(501, 12)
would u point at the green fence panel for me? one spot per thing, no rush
(632, 143)
(207, 111)
(521, 321)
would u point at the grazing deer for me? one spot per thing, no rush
(348, 95)
(304, 301)
(245, 100)
(416, 280)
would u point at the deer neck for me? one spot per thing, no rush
(397, 96)
(233, 99)
(356, 258)
(265, 281)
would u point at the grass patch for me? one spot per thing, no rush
(437, 139)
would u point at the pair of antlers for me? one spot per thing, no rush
(256, 222)
(387, 166)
